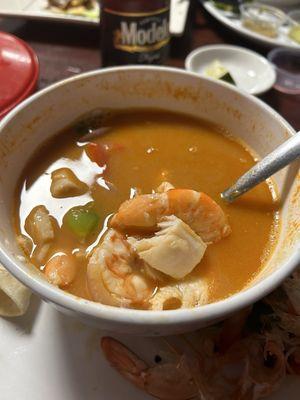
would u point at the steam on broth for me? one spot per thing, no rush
(76, 182)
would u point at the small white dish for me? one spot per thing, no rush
(250, 71)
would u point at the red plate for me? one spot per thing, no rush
(19, 70)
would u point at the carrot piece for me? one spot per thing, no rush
(97, 153)
(100, 153)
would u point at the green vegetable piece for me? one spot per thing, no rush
(227, 78)
(82, 221)
(217, 71)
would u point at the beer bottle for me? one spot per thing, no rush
(134, 31)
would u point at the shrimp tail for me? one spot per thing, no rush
(166, 381)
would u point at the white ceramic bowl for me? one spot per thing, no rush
(42, 115)
(250, 71)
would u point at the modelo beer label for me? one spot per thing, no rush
(140, 37)
(130, 38)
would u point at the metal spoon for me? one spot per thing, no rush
(273, 162)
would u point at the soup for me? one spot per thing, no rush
(76, 182)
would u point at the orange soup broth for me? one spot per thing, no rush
(148, 148)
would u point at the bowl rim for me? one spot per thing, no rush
(125, 316)
(199, 51)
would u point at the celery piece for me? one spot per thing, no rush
(82, 221)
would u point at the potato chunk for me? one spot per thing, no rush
(66, 184)
(175, 250)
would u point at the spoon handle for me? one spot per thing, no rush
(273, 162)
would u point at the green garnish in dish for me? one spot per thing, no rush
(82, 220)
(229, 5)
(217, 71)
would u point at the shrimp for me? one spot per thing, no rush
(115, 273)
(61, 270)
(196, 209)
(251, 369)
(293, 360)
(166, 381)
(264, 368)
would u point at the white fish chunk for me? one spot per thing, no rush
(175, 250)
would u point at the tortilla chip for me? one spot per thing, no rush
(14, 296)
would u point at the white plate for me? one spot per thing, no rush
(282, 3)
(250, 71)
(37, 9)
(47, 355)
(233, 22)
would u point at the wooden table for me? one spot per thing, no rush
(65, 50)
